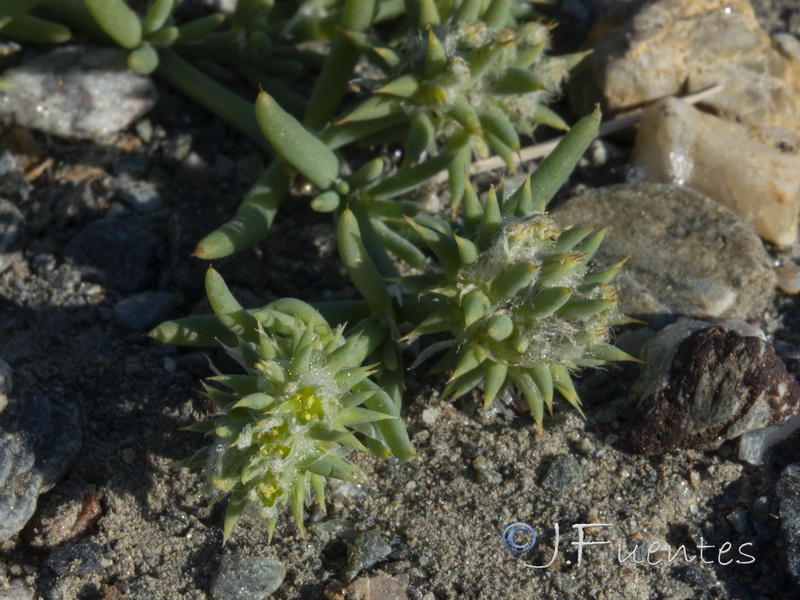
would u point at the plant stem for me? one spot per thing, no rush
(231, 107)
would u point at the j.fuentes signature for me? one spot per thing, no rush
(521, 537)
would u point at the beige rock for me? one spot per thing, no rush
(788, 278)
(674, 47)
(755, 171)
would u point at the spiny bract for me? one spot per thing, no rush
(289, 422)
(517, 293)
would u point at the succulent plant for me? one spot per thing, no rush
(465, 80)
(303, 404)
(518, 294)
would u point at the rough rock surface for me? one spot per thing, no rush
(76, 92)
(676, 143)
(647, 50)
(38, 441)
(688, 254)
(711, 387)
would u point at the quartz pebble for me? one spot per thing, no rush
(687, 253)
(648, 50)
(76, 92)
(705, 384)
(760, 180)
(753, 445)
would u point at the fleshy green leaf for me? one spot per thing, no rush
(559, 164)
(360, 266)
(118, 20)
(157, 15)
(143, 60)
(295, 144)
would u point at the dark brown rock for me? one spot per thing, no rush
(720, 384)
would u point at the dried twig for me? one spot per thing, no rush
(541, 150)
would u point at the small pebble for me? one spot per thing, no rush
(77, 560)
(144, 129)
(564, 474)
(128, 456)
(142, 311)
(141, 197)
(584, 447)
(429, 416)
(247, 578)
(368, 549)
(788, 278)
(12, 223)
(738, 518)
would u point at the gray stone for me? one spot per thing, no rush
(247, 578)
(38, 441)
(788, 488)
(177, 148)
(738, 518)
(564, 474)
(142, 311)
(11, 222)
(688, 254)
(13, 183)
(368, 549)
(142, 198)
(114, 254)
(77, 560)
(753, 445)
(76, 92)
